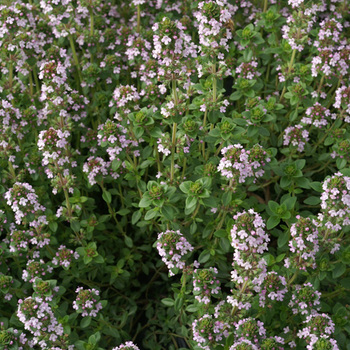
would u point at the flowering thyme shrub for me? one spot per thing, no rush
(174, 174)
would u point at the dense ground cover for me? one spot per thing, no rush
(175, 174)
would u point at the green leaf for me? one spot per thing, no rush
(252, 131)
(288, 95)
(300, 163)
(145, 202)
(178, 303)
(272, 222)
(193, 228)
(236, 96)
(294, 100)
(302, 182)
(123, 212)
(294, 115)
(283, 238)
(264, 132)
(247, 55)
(312, 200)
(285, 181)
(249, 93)
(75, 225)
(220, 233)
(214, 116)
(85, 322)
(329, 141)
(81, 251)
(191, 202)
(204, 256)
(227, 198)
(289, 202)
(280, 257)
(210, 202)
(345, 282)
(147, 163)
(138, 131)
(322, 275)
(225, 244)
(128, 242)
(345, 172)
(116, 164)
(268, 118)
(168, 302)
(150, 214)
(168, 212)
(185, 186)
(136, 216)
(273, 206)
(99, 259)
(286, 215)
(192, 308)
(230, 340)
(107, 197)
(189, 211)
(339, 269)
(80, 345)
(341, 163)
(214, 133)
(94, 338)
(87, 259)
(53, 226)
(270, 259)
(316, 186)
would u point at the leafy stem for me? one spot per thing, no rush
(112, 211)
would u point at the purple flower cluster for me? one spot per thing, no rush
(322, 342)
(243, 344)
(248, 233)
(173, 48)
(205, 284)
(57, 158)
(39, 319)
(305, 299)
(207, 331)
(273, 287)
(12, 338)
(342, 102)
(272, 343)
(129, 345)
(24, 203)
(317, 116)
(248, 70)
(115, 137)
(182, 145)
(299, 24)
(296, 136)
(34, 269)
(240, 164)
(64, 257)
(33, 239)
(335, 202)
(87, 302)
(341, 150)
(304, 243)
(249, 240)
(172, 247)
(123, 98)
(250, 329)
(215, 32)
(97, 169)
(316, 326)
